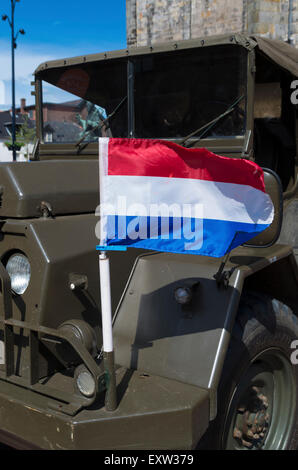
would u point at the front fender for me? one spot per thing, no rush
(155, 334)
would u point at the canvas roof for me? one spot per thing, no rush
(282, 53)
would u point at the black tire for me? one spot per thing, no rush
(258, 393)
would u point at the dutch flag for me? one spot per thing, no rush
(159, 196)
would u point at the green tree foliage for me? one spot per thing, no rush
(25, 135)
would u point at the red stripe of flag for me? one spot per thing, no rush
(145, 157)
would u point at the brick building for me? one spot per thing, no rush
(63, 112)
(150, 21)
(59, 119)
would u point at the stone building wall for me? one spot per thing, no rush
(151, 21)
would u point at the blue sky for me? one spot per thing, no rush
(56, 29)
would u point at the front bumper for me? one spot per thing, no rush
(153, 413)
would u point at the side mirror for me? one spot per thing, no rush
(273, 187)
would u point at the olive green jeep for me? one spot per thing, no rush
(213, 369)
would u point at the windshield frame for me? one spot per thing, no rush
(227, 145)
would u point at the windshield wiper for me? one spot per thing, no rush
(104, 122)
(210, 124)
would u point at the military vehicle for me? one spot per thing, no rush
(205, 348)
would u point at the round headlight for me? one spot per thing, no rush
(85, 382)
(18, 267)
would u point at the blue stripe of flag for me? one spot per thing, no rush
(212, 237)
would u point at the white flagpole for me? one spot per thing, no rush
(106, 306)
(107, 332)
(105, 294)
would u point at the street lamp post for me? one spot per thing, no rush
(13, 47)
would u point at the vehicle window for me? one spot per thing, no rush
(78, 101)
(178, 92)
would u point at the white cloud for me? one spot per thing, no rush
(27, 59)
(2, 92)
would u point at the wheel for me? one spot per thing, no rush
(257, 397)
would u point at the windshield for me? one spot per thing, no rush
(172, 95)
(77, 100)
(179, 92)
